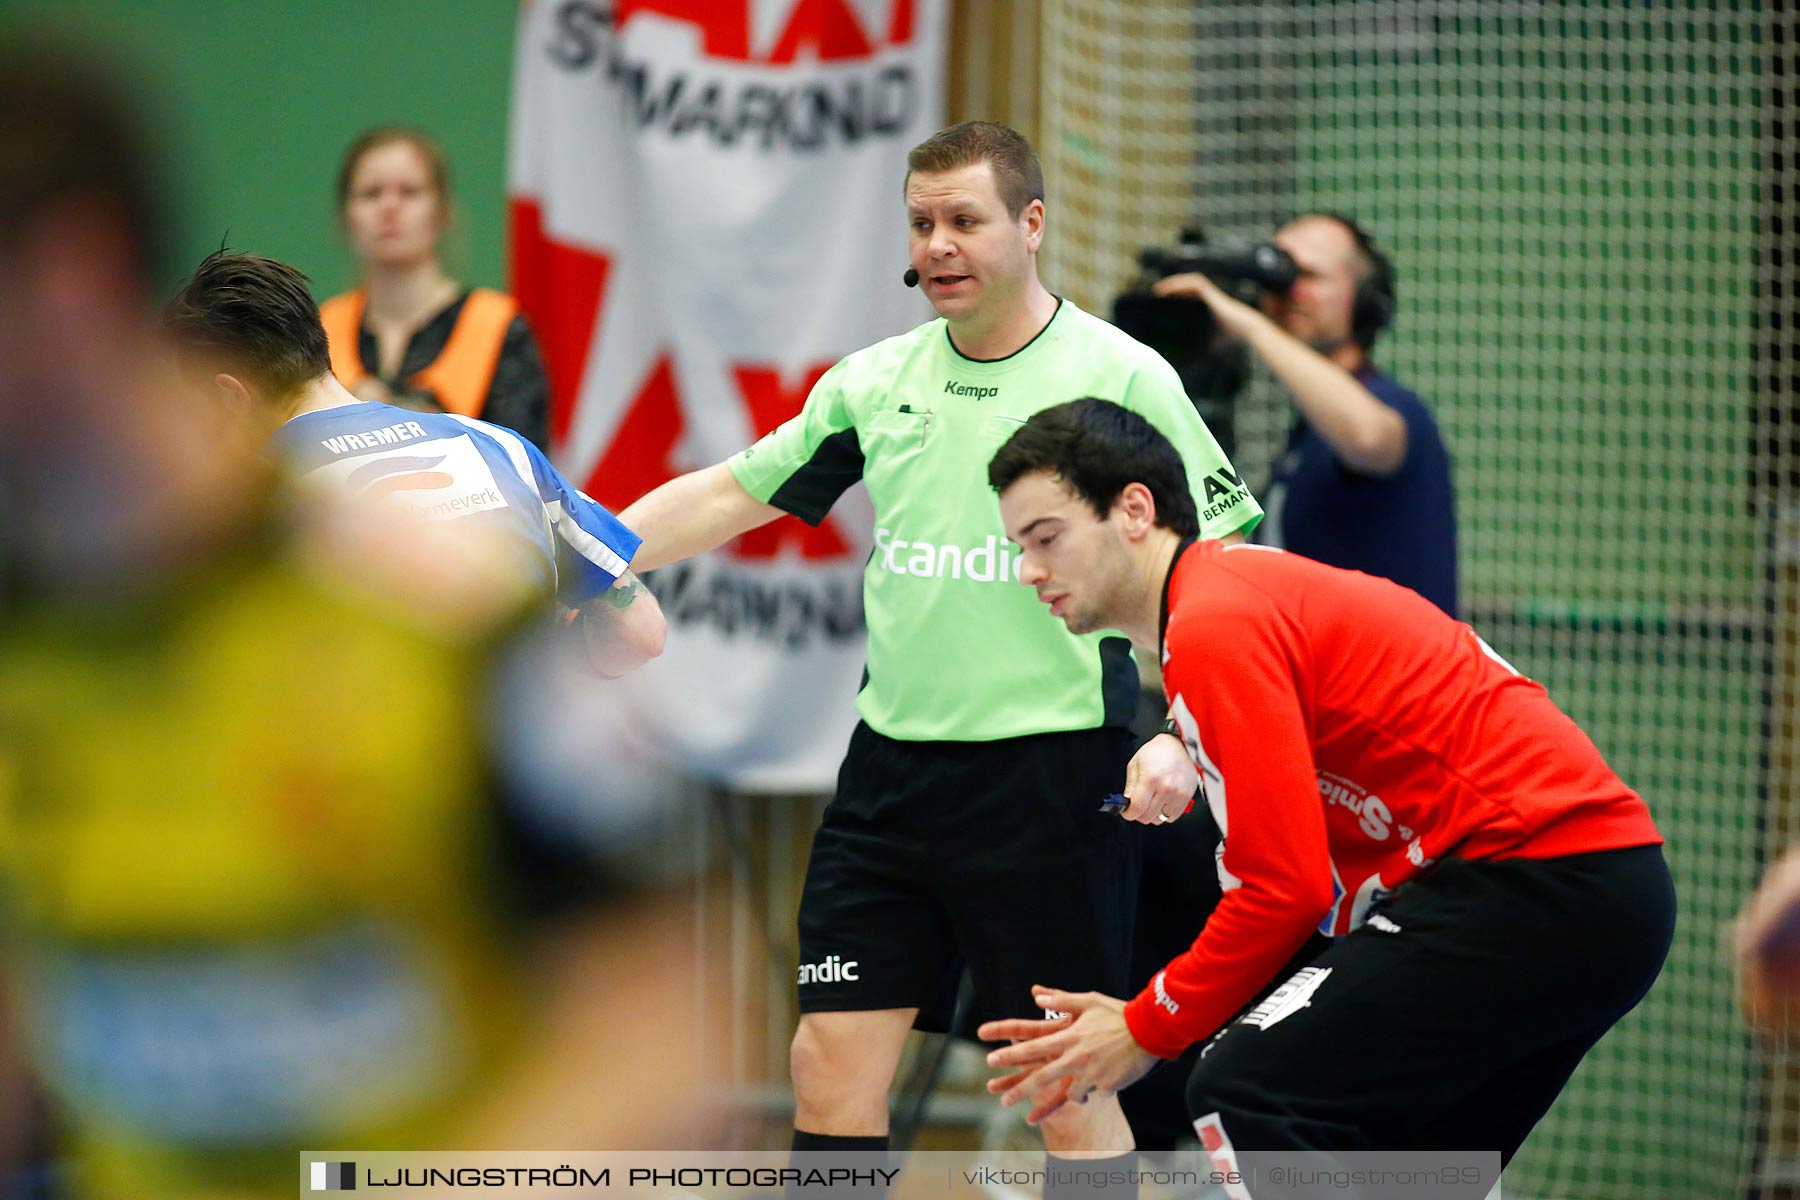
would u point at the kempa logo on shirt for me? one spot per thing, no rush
(953, 388)
(832, 970)
(990, 562)
(1372, 813)
(1163, 999)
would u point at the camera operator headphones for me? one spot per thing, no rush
(1372, 308)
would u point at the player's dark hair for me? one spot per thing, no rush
(255, 314)
(71, 133)
(1096, 448)
(1017, 175)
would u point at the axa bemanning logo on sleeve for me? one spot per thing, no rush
(331, 1177)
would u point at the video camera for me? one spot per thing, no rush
(1261, 268)
(1212, 366)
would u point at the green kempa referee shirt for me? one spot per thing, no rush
(958, 649)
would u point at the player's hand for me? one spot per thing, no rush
(1090, 1052)
(1768, 950)
(1160, 781)
(1233, 315)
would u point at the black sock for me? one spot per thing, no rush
(1107, 1178)
(831, 1143)
(824, 1151)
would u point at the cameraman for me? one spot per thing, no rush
(1365, 482)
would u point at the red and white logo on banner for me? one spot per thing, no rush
(706, 214)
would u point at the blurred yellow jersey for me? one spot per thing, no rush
(245, 852)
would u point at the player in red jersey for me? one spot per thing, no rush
(1496, 896)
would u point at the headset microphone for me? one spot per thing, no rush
(911, 278)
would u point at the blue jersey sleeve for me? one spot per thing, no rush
(593, 547)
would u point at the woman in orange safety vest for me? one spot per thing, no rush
(410, 334)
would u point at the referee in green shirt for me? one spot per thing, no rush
(966, 827)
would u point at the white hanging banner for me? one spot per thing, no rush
(706, 214)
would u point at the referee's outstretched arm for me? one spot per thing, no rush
(691, 514)
(623, 627)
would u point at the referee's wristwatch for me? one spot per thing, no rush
(1172, 729)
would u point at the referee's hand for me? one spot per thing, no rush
(1160, 782)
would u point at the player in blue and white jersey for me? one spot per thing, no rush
(249, 325)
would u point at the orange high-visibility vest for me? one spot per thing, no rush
(459, 376)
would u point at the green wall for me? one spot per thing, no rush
(257, 100)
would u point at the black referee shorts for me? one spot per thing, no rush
(994, 855)
(1452, 1019)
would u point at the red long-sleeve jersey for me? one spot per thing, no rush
(1348, 735)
